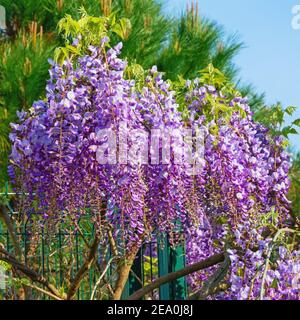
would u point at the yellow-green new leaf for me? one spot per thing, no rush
(122, 28)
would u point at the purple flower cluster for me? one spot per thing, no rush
(251, 277)
(243, 178)
(54, 148)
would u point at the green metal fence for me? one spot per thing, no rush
(55, 254)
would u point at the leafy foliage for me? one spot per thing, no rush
(86, 32)
(23, 74)
(274, 117)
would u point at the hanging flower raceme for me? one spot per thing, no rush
(245, 178)
(100, 144)
(88, 145)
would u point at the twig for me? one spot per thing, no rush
(10, 227)
(82, 235)
(85, 267)
(43, 291)
(112, 242)
(101, 277)
(31, 274)
(123, 272)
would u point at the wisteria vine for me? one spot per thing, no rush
(237, 202)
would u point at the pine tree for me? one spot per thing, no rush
(180, 46)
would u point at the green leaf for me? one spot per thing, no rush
(25, 281)
(6, 266)
(293, 131)
(181, 80)
(290, 110)
(122, 28)
(60, 54)
(73, 49)
(211, 68)
(296, 122)
(113, 20)
(286, 131)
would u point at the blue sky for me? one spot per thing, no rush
(271, 59)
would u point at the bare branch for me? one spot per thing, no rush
(123, 273)
(31, 274)
(43, 291)
(112, 242)
(85, 267)
(101, 277)
(82, 235)
(11, 229)
(211, 261)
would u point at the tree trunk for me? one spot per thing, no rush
(124, 271)
(84, 269)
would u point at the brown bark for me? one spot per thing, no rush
(24, 292)
(112, 242)
(83, 270)
(123, 274)
(211, 261)
(10, 227)
(91, 257)
(31, 274)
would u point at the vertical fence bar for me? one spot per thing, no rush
(163, 266)
(25, 242)
(43, 257)
(134, 283)
(7, 241)
(77, 261)
(167, 260)
(178, 287)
